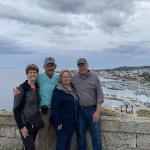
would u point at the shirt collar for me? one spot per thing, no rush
(28, 87)
(60, 87)
(85, 77)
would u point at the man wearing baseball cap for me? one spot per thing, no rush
(89, 90)
(47, 82)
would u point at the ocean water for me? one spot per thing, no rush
(8, 80)
(12, 78)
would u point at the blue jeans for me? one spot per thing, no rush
(86, 122)
(63, 140)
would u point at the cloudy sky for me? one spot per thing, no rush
(109, 33)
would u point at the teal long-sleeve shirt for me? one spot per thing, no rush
(46, 86)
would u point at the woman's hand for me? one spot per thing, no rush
(59, 127)
(24, 132)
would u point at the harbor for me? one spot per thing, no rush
(125, 96)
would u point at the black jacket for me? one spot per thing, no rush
(20, 102)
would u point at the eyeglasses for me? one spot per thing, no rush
(50, 65)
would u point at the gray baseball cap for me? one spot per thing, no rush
(49, 60)
(81, 61)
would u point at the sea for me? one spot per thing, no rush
(10, 78)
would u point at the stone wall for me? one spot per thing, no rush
(117, 134)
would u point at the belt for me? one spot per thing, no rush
(88, 106)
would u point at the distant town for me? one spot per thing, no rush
(141, 74)
(131, 85)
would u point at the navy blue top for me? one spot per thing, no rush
(64, 110)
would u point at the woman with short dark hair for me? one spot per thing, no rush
(26, 108)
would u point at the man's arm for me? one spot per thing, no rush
(16, 91)
(100, 100)
(99, 93)
(98, 107)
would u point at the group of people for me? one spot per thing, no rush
(55, 105)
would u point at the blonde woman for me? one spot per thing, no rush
(64, 107)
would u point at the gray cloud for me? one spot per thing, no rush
(69, 24)
(62, 6)
(130, 49)
(12, 48)
(108, 15)
(86, 6)
(33, 16)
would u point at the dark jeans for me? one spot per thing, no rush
(63, 140)
(86, 122)
(29, 141)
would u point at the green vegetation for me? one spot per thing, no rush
(146, 76)
(143, 113)
(127, 68)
